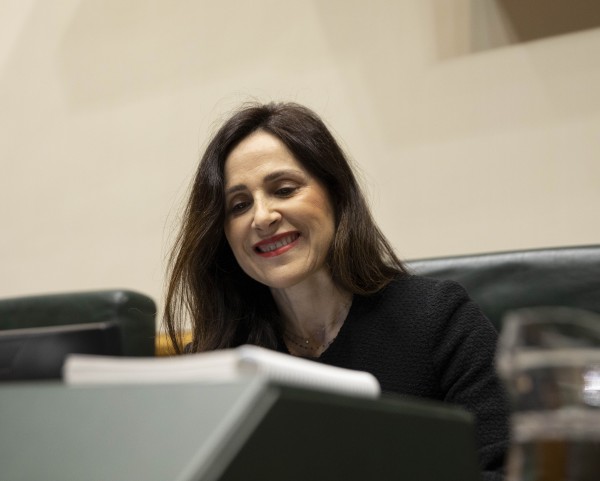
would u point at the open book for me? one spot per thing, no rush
(219, 366)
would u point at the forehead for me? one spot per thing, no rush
(258, 155)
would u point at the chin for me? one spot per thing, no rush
(289, 280)
(282, 281)
(279, 283)
(286, 276)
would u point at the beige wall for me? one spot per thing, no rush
(467, 139)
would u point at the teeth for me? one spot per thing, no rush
(277, 245)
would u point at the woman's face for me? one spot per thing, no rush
(279, 219)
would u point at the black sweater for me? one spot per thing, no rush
(424, 337)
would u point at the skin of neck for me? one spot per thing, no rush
(313, 309)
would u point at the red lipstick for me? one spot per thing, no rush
(276, 245)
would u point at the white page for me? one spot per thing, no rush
(218, 366)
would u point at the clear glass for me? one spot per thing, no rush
(549, 359)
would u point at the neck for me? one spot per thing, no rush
(313, 313)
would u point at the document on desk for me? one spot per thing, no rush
(225, 365)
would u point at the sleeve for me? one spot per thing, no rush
(464, 357)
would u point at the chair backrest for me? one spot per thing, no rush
(504, 281)
(133, 313)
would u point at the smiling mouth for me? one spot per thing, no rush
(273, 246)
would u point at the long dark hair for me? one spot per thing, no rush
(209, 290)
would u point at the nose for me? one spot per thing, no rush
(265, 216)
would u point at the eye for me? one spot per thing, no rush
(286, 191)
(239, 207)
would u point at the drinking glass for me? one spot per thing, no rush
(549, 359)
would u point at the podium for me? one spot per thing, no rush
(250, 430)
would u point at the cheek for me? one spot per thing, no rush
(329, 234)
(330, 228)
(326, 215)
(235, 234)
(232, 235)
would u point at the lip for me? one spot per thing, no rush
(276, 245)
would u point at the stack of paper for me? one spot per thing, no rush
(219, 366)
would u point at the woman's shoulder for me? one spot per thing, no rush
(427, 301)
(423, 289)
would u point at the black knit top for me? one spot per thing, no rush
(424, 337)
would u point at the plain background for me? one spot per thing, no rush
(474, 127)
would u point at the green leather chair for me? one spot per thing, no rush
(133, 313)
(506, 281)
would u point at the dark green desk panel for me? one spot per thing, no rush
(226, 432)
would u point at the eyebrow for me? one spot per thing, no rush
(267, 178)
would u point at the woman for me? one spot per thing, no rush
(278, 249)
